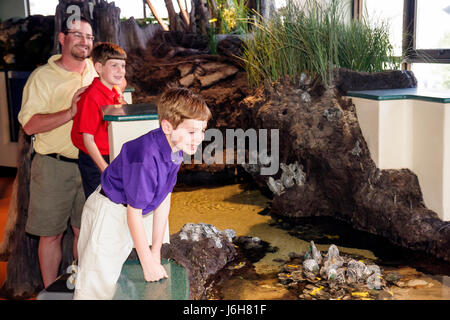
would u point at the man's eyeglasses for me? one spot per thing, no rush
(79, 35)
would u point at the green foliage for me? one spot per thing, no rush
(314, 39)
(212, 41)
(232, 17)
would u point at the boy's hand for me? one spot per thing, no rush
(154, 272)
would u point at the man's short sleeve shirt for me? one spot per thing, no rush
(50, 89)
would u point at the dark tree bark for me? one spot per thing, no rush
(172, 15)
(106, 22)
(267, 7)
(133, 37)
(23, 276)
(200, 17)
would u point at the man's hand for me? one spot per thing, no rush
(44, 122)
(73, 107)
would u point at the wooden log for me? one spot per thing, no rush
(5, 246)
(187, 81)
(173, 23)
(184, 14)
(133, 37)
(185, 69)
(23, 277)
(156, 15)
(221, 74)
(106, 22)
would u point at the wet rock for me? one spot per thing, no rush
(393, 277)
(418, 283)
(231, 46)
(294, 255)
(264, 212)
(253, 248)
(351, 80)
(204, 251)
(195, 232)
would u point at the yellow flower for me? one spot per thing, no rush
(315, 291)
(360, 294)
(229, 17)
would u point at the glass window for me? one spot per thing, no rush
(132, 8)
(433, 24)
(46, 8)
(128, 8)
(434, 76)
(390, 12)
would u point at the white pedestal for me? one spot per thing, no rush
(412, 134)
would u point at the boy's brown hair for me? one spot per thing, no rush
(178, 104)
(103, 51)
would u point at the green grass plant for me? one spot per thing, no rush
(314, 39)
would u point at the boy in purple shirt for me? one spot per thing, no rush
(137, 183)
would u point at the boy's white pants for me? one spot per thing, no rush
(104, 245)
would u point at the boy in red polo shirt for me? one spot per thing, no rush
(89, 131)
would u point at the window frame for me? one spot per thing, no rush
(414, 55)
(409, 50)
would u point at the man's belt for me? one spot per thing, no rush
(62, 158)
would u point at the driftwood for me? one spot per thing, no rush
(23, 276)
(156, 15)
(106, 22)
(134, 37)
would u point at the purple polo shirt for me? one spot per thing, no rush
(144, 172)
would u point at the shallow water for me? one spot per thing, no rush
(236, 206)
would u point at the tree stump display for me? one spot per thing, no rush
(320, 139)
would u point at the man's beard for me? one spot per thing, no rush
(79, 54)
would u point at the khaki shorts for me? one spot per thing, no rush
(56, 194)
(104, 245)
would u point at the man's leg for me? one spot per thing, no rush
(50, 256)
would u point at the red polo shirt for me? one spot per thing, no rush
(89, 117)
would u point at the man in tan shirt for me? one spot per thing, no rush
(48, 106)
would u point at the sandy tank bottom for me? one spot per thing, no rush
(234, 206)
